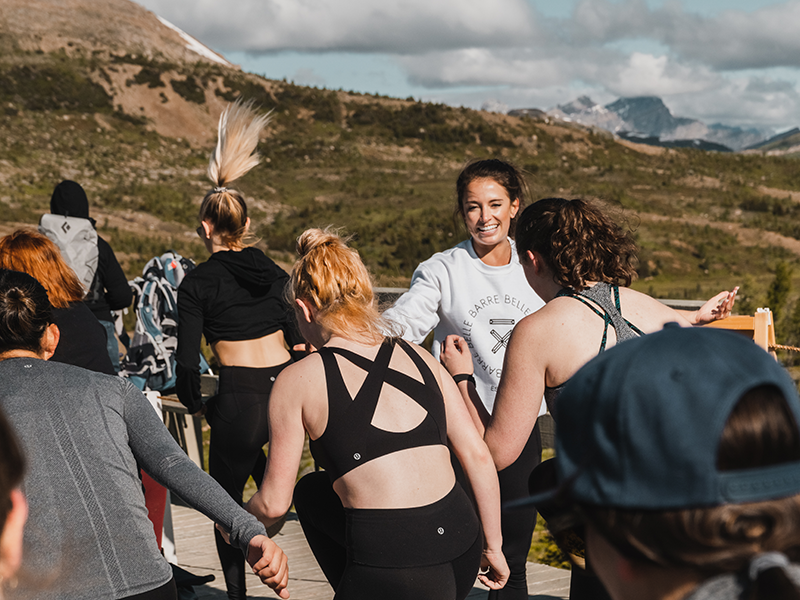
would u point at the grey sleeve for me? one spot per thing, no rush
(158, 454)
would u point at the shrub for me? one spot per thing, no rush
(150, 76)
(52, 87)
(189, 90)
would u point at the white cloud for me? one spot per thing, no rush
(743, 101)
(737, 40)
(648, 75)
(484, 67)
(465, 51)
(404, 27)
(729, 40)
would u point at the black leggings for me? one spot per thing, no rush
(239, 429)
(426, 553)
(518, 524)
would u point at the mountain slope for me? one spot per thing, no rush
(134, 121)
(787, 142)
(78, 27)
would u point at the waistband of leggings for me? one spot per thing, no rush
(248, 379)
(413, 537)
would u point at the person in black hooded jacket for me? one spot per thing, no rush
(236, 300)
(109, 289)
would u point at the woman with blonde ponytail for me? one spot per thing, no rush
(380, 413)
(236, 300)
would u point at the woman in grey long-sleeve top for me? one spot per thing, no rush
(88, 536)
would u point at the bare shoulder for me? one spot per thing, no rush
(302, 375)
(646, 312)
(558, 313)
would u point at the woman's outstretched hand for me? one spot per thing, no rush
(718, 307)
(456, 356)
(494, 571)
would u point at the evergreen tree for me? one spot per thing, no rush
(779, 289)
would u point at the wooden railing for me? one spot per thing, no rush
(186, 429)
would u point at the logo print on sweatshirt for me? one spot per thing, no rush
(502, 340)
(65, 227)
(493, 333)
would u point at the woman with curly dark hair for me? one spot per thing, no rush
(580, 263)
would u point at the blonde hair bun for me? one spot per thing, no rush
(331, 276)
(311, 239)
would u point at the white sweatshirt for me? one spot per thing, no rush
(455, 292)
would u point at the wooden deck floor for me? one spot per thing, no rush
(194, 541)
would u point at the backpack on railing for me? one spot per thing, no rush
(150, 362)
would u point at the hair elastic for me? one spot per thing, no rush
(765, 561)
(219, 190)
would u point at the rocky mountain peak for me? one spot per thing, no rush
(579, 105)
(647, 114)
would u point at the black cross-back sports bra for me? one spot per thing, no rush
(350, 439)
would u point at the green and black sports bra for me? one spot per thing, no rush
(599, 295)
(350, 439)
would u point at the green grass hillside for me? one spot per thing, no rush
(381, 168)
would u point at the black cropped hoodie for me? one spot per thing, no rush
(233, 296)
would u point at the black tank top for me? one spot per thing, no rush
(350, 439)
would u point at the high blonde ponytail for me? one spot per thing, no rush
(234, 155)
(237, 139)
(331, 276)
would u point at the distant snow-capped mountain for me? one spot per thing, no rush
(649, 118)
(586, 112)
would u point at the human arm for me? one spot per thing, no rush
(287, 438)
(118, 293)
(187, 356)
(416, 312)
(161, 457)
(474, 457)
(298, 347)
(457, 359)
(718, 307)
(520, 392)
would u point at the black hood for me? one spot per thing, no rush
(70, 200)
(250, 265)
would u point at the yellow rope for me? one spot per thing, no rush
(781, 347)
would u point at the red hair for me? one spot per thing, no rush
(30, 252)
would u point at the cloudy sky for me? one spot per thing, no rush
(731, 61)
